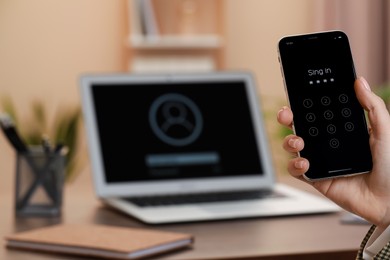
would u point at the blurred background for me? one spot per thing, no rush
(45, 45)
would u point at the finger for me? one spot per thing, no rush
(297, 167)
(293, 144)
(375, 106)
(285, 117)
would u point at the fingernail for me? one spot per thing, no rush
(293, 142)
(281, 110)
(299, 164)
(365, 83)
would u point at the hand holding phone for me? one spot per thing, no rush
(319, 80)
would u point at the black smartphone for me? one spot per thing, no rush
(319, 76)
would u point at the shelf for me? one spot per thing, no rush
(175, 36)
(175, 42)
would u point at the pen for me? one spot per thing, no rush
(58, 148)
(11, 133)
(46, 144)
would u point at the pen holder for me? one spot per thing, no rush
(39, 183)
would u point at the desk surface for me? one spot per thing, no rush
(297, 237)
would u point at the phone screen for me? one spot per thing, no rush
(319, 79)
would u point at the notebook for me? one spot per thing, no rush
(186, 147)
(99, 241)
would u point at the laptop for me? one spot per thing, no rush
(183, 148)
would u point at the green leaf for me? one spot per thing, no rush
(64, 130)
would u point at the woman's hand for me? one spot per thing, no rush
(367, 195)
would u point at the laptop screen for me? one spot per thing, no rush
(166, 131)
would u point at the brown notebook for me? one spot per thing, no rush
(100, 241)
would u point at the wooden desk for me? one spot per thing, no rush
(297, 237)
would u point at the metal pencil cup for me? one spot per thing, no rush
(39, 183)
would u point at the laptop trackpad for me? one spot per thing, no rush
(240, 208)
(249, 208)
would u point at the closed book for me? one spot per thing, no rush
(100, 241)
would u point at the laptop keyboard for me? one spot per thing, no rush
(181, 199)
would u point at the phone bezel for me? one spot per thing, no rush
(293, 39)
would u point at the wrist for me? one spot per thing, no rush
(380, 229)
(384, 222)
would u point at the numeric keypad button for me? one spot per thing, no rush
(334, 143)
(325, 101)
(331, 129)
(308, 103)
(328, 115)
(346, 112)
(310, 117)
(313, 131)
(343, 98)
(349, 126)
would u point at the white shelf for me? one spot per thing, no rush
(175, 42)
(173, 63)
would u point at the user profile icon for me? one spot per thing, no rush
(175, 119)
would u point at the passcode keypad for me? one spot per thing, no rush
(329, 121)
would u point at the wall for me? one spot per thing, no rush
(253, 29)
(366, 24)
(44, 47)
(46, 44)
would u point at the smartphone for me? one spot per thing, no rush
(319, 75)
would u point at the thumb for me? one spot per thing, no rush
(375, 107)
